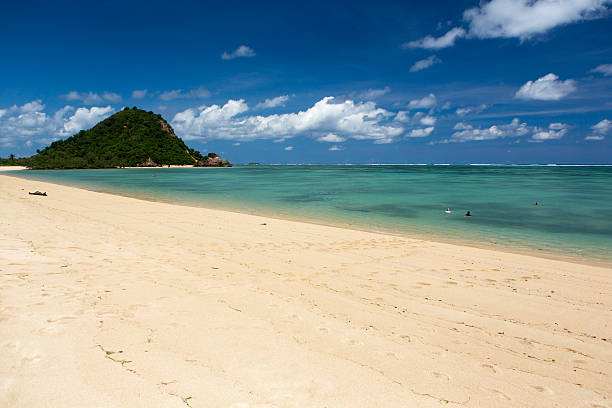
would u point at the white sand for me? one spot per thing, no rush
(107, 301)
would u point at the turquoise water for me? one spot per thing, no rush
(574, 220)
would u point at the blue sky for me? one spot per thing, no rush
(496, 81)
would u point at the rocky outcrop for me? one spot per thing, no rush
(166, 127)
(149, 163)
(214, 161)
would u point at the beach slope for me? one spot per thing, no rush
(108, 301)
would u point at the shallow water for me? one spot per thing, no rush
(574, 218)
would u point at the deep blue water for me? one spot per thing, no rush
(574, 218)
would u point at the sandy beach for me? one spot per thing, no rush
(108, 301)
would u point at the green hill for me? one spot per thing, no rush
(132, 137)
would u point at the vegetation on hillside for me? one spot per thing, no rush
(128, 138)
(14, 161)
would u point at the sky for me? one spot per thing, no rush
(462, 81)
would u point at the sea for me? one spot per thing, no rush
(573, 218)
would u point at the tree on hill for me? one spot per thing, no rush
(127, 138)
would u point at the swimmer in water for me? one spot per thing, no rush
(448, 211)
(468, 214)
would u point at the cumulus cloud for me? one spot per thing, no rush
(466, 110)
(84, 118)
(427, 120)
(92, 98)
(199, 93)
(465, 132)
(424, 132)
(426, 102)
(139, 93)
(605, 69)
(554, 131)
(524, 19)
(432, 43)
(600, 130)
(417, 125)
(112, 97)
(335, 148)
(241, 52)
(347, 119)
(425, 63)
(289, 148)
(29, 123)
(546, 88)
(331, 138)
(273, 102)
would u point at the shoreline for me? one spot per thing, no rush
(589, 261)
(108, 300)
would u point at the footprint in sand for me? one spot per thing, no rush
(489, 366)
(540, 388)
(441, 376)
(501, 394)
(450, 283)
(30, 357)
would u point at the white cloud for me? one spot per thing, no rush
(462, 126)
(242, 51)
(92, 98)
(273, 102)
(426, 102)
(427, 120)
(600, 130)
(429, 42)
(199, 93)
(335, 148)
(139, 94)
(466, 132)
(347, 119)
(33, 106)
(85, 118)
(289, 148)
(546, 88)
(112, 97)
(370, 94)
(605, 69)
(526, 18)
(425, 63)
(29, 123)
(522, 19)
(555, 131)
(331, 138)
(466, 110)
(421, 132)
